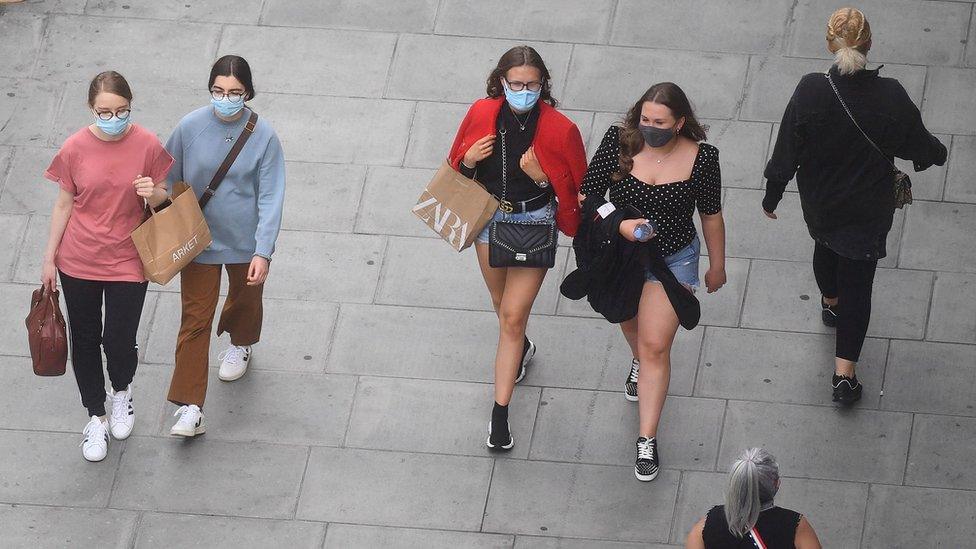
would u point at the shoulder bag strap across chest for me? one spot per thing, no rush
(229, 160)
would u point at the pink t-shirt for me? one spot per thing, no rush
(96, 243)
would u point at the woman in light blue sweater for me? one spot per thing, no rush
(244, 216)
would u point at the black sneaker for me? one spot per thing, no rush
(528, 351)
(847, 390)
(630, 386)
(499, 440)
(647, 459)
(828, 314)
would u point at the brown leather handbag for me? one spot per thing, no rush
(46, 333)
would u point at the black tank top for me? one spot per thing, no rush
(777, 527)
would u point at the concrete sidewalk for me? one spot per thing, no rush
(362, 421)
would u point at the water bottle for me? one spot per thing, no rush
(645, 231)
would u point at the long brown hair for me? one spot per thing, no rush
(671, 96)
(110, 82)
(520, 56)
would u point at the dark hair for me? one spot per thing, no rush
(520, 56)
(631, 140)
(236, 66)
(111, 82)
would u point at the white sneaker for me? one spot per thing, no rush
(95, 445)
(190, 423)
(123, 416)
(233, 362)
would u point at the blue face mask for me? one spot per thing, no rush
(227, 108)
(112, 126)
(522, 101)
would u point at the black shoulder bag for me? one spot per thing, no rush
(903, 184)
(521, 243)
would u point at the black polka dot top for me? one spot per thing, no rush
(670, 205)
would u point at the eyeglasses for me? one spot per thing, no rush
(233, 96)
(121, 114)
(517, 86)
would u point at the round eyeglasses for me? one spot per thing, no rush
(517, 86)
(121, 114)
(233, 97)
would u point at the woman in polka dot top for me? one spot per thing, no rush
(655, 162)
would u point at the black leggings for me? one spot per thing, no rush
(123, 308)
(851, 281)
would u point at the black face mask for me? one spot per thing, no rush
(656, 137)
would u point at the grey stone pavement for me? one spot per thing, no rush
(362, 421)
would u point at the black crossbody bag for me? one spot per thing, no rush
(521, 243)
(903, 184)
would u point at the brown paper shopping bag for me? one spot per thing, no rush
(171, 238)
(455, 207)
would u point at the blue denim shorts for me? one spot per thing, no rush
(542, 214)
(684, 264)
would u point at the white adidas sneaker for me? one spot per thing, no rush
(95, 444)
(123, 416)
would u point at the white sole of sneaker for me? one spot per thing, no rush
(646, 478)
(630, 398)
(120, 437)
(93, 460)
(525, 362)
(189, 433)
(231, 378)
(508, 446)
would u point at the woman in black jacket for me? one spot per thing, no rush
(846, 185)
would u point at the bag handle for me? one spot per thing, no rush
(856, 125)
(231, 157)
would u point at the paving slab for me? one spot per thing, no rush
(781, 367)
(219, 11)
(180, 51)
(536, 542)
(939, 444)
(408, 15)
(937, 237)
(601, 427)
(960, 184)
(295, 334)
(948, 373)
(949, 108)
(434, 126)
(408, 415)
(900, 517)
(356, 63)
(952, 317)
(834, 509)
(343, 536)
(571, 500)
(464, 62)
(812, 441)
(716, 26)
(23, 34)
(784, 296)
(593, 66)
(389, 194)
(384, 488)
(12, 228)
(206, 532)
(49, 6)
(173, 474)
(742, 150)
(322, 197)
(26, 191)
(904, 31)
(548, 20)
(27, 108)
(427, 272)
(55, 527)
(47, 469)
(326, 267)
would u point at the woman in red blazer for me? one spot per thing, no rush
(545, 163)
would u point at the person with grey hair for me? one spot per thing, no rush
(749, 518)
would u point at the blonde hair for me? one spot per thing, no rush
(849, 38)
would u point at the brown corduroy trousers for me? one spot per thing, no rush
(241, 317)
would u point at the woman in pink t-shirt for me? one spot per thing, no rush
(107, 171)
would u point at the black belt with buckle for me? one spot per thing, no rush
(529, 205)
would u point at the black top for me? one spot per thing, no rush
(517, 142)
(776, 526)
(846, 187)
(669, 205)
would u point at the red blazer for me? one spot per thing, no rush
(557, 144)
